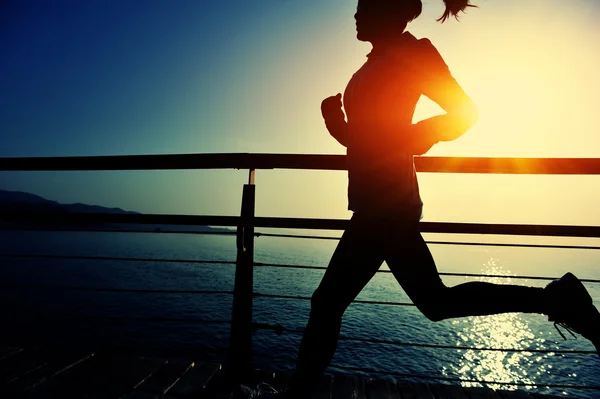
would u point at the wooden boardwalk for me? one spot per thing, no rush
(51, 373)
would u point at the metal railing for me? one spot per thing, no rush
(242, 325)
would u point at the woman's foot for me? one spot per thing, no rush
(571, 306)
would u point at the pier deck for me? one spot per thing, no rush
(54, 373)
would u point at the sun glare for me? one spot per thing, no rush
(535, 84)
(507, 330)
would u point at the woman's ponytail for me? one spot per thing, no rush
(453, 7)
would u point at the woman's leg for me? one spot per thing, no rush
(411, 262)
(565, 301)
(356, 259)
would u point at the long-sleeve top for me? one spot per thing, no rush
(380, 101)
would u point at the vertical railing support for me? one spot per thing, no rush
(240, 359)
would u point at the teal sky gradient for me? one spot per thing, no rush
(156, 77)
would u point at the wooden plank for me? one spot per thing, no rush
(414, 390)
(381, 389)
(542, 396)
(514, 394)
(108, 374)
(120, 374)
(323, 388)
(159, 383)
(58, 364)
(481, 393)
(444, 391)
(193, 383)
(6, 351)
(329, 387)
(21, 363)
(360, 390)
(343, 387)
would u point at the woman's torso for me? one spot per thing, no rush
(379, 101)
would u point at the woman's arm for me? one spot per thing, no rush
(441, 87)
(335, 120)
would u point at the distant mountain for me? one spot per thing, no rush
(18, 201)
(14, 197)
(84, 208)
(27, 202)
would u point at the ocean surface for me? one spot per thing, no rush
(33, 313)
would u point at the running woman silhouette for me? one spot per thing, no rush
(383, 194)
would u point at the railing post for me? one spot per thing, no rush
(240, 358)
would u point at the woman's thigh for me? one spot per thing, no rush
(356, 259)
(412, 264)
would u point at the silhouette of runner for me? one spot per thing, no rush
(383, 193)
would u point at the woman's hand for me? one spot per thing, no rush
(335, 120)
(331, 109)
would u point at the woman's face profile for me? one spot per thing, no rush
(377, 19)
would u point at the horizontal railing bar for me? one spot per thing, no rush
(144, 319)
(105, 258)
(467, 348)
(101, 230)
(584, 280)
(297, 161)
(411, 376)
(151, 319)
(306, 298)
(176, 162)
(482, 244)
(259, 234)
(441, 227)
(78, 219)
(498, 244)
(120, 290)
(279, 329)
(54, 314)
(296, 223)
(261, 264)
(310, 237)
(554, 166)
(299, 297)
(511, 229)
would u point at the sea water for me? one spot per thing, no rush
(194, 324)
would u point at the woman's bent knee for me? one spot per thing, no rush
(432, 313)
(435, 307)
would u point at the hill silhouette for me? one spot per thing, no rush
(23, 202)
(27, 202)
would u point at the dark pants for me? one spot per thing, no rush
(366, 243)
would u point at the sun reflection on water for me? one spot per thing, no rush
(509, 330)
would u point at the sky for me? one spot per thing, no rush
(108, 77)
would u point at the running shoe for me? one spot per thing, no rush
(572, 308)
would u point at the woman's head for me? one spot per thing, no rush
(377, 19)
